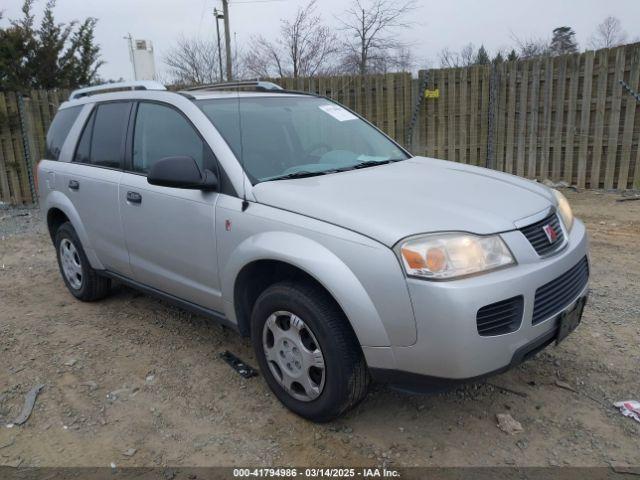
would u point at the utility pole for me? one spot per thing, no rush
(227, 38)
(218, 16)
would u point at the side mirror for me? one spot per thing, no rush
(181, 172)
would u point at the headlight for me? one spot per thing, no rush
(450, 255)
(564, 209)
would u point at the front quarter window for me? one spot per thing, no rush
(288, 135)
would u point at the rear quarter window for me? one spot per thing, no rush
(59, 129)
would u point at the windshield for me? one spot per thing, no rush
(288, 137)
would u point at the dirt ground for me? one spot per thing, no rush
(131, 372)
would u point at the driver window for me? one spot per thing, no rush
(160, 132)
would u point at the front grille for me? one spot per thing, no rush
(556, 295)
(500, 317)
(538, 238)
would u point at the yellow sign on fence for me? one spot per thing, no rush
(432, 93)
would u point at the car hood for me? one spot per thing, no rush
(420, 195)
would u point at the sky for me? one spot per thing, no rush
(450, 23)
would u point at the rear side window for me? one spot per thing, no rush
(59, 129)
(161, 132)
(104, 135)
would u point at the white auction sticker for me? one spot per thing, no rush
(337, 112)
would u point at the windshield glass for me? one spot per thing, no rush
(288, 137)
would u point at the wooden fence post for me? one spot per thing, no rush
(614, 120)
(631, 106)
(585, 115)
(5, 190)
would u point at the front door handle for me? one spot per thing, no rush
(134, 197)
(74, 184)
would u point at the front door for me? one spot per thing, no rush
(170, 232)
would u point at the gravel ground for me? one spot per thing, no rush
(133, 381)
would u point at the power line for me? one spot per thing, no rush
(204, 6)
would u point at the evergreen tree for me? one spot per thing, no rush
(563, 41)
(17, 47)
(86, 61)
(513, 56)
(55, 55)
(482, 57)
(498, 59)
(50, 57)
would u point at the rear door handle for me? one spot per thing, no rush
(134, 197)
(74, 184)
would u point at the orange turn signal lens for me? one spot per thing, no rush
(413, 258)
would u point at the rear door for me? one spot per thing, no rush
(170, 232)
(91, 182)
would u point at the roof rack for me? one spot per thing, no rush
(257, 85)
(116, 86)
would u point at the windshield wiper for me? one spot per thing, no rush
(373, 163)
(301, 174)
(307, 173)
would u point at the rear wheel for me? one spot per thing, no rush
(81, 280)
(307, 351)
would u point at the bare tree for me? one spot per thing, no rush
(368, 25)
(305, 48)
(264, 58)
(531, 47)
(404, 60)
(449, 58)
(398, 60)
(608, 34)
(453, 59)
(192, 61)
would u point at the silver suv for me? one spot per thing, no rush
(294, 221)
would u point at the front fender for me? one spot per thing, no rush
(321, 264)
(57, 199)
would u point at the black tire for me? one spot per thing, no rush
(92, 285)
(346, 375)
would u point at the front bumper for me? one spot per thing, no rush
(448, 345)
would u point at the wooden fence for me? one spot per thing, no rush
(562, 118)
(24, 120)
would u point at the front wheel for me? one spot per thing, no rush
(308, 354)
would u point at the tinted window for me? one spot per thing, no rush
(83, 150)
(59, 129)
(161, 132)
(109, 130)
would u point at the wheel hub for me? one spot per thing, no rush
(294, 355)
(290, 356)
(71, 263)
